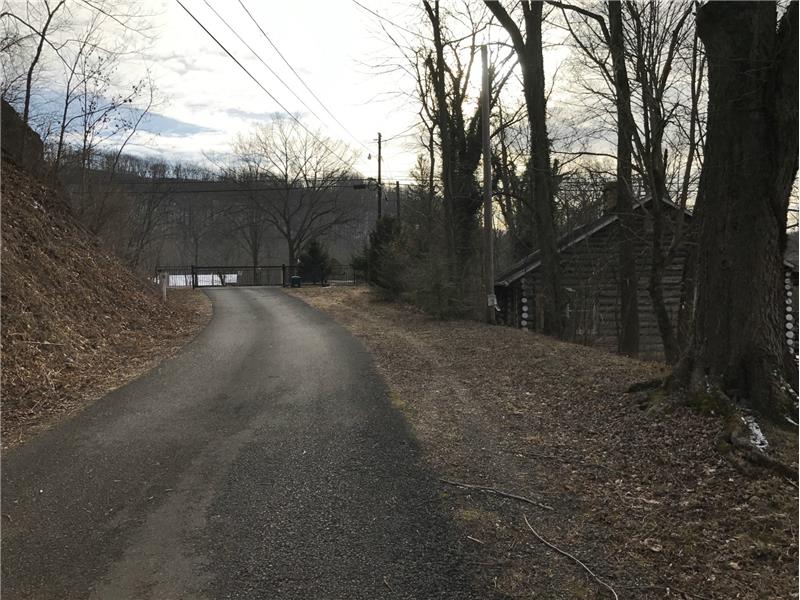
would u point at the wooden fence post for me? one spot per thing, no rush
(164, 280)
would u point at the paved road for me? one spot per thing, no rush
(264, 461)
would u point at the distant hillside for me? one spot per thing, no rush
(75, 321)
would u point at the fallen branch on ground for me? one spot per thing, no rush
(497, 492)
(568, 555)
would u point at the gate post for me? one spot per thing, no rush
(194, 278)
(283, 275)
(163, 279)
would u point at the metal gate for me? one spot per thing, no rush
(270, 275)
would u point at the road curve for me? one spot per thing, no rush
(263, 461)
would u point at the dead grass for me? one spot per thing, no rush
(641, 493)
(76, 324)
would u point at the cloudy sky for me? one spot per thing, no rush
(344, 79)
(333, 46)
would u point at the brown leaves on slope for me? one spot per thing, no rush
(75, 322)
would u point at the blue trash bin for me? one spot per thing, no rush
(295, 281)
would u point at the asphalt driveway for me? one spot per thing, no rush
(263, 461)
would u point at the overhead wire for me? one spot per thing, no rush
(263, 62)
(401, 134)
(258, 83)
(382, 18)
(305, 85)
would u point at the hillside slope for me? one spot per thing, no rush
(75, 322)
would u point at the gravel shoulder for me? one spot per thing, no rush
(640, 494)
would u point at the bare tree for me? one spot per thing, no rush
(298, 180)
(659, 113)
(146, 222)
(512, 185)
(196, 219)
(103, 126)
(530, 57)
(247, 219)
(459, 138)
(40, 32)
(628, 342)
(444, 65)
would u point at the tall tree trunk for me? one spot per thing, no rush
(628, 342)
(431, 174)
(437, 71)
(529, 53)
(750, 161)
(554, 302)
(292, 252)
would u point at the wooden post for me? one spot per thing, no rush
(397, 197)
(380, 190)
(488, 233)
(164, 280)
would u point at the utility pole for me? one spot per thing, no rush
(397, 197)
(488, 234)
(379, 175)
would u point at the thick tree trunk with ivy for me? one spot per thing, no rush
(628, 343)
(750, 162)
(460, 143)
(529, 53)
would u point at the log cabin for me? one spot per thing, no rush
(589, 263)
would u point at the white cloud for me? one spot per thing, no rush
(326, 42)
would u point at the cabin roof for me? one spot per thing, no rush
(533, 261)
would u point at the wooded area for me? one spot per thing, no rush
(573, 372)
(663, 116)
(650, 75)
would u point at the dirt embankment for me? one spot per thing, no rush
(75, 322)
(641, 495)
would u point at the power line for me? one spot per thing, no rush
(305, 85)
(263, 62)
(258, 83)
(381, 17)
(402, 133)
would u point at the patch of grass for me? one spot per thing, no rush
(475, 515)
(709, 403)
(397, 402)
